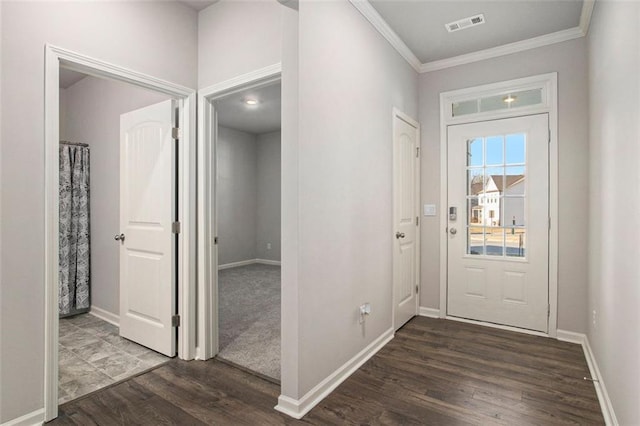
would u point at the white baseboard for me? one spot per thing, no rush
(429, 312)
(236, 264)
(248, 262)
(298, 408)
(603, 396)
(601, 389)
(268, 262)
(31, 419)
(104, 315)
(570, 336)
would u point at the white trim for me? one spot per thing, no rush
(372, 15)
(31, 419)
(236, 264)
(397, 113)
(585, 16)
(498, 326)
(258, 77)
(269, 262)
(505, 49)
(601, 390)
(105, 315)
(570, 336)
(54, 58)
(369, 12)
(248, 262)
(549, 83)
(207, 252)
(298, 408)
(429, 312)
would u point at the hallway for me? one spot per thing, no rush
(433, 372)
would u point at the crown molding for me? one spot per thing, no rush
(365, 8)
(368, 11)
(505, 49)
(585, 15)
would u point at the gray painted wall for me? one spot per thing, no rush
(248, 196)
(350, 79)
(141, 43)
(614, 230)
(290, 208)
(268, 196)
(237, 196)
(93, 107)
(236, 38)
(569, 59)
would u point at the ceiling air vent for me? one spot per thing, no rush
(465, 23)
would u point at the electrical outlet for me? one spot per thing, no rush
(365, 309)
(594, 317)
(268, 246)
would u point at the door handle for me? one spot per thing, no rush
(399, 235)
(453, 231)
(119, 237)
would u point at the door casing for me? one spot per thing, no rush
(548, 83)
(186, 97)
(207, 217)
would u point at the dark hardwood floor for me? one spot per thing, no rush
(435, 372)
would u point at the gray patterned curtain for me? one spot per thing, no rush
(74, 261)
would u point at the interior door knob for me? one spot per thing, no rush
(119, 237)
(453, 231)
(399, 235)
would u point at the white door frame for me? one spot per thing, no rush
(549, 104)
(207, 211)
(54, 58)
(406, 118)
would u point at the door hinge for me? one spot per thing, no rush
(176, 133)
(548, 311)
(549, 135)
(549, 223)
(175, 227)
(215, 240)
(418, 151)
(417, 289)
(175, 321)
(417, 220)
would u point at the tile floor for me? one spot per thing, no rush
(92, 355)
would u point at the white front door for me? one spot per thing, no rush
(498, 228)
(147, 206)
(405, 217)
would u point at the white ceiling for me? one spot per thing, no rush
(68, 78)
(198, 4)
(264, 117)
(421, 24)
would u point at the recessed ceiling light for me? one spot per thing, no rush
(251, 101)
(509, 99)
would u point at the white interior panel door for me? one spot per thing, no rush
(405, 238)
(147, 252)
(498, 232)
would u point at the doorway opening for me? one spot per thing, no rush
(248, 224)
(499, 205)
(118, 180)
(97, 341)
(239, 222)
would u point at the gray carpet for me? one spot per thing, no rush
(249, 316)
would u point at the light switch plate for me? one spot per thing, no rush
(429, 209)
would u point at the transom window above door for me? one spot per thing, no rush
(511, 100)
